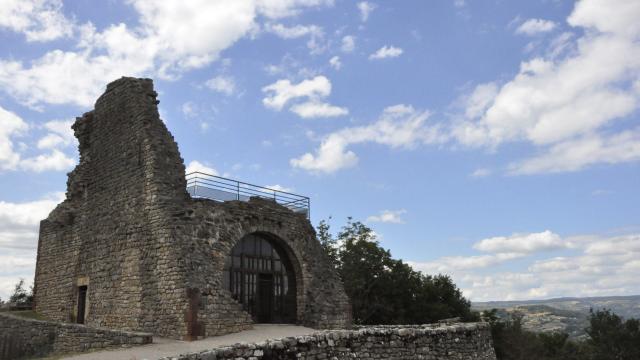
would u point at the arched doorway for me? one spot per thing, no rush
(260, 276)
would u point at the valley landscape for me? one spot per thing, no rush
(567, 314)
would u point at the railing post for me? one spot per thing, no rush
(238, 193)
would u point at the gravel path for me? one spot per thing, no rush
(168, 347)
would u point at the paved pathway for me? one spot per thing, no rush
(168, 347)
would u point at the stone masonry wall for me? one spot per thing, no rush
(150, 256)
(21, 337)
(213, 228)
(449, 342)
(114, 232)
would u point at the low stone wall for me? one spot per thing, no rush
(21, 337)
(434, 342)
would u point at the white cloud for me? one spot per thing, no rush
(19, 221)
(386, 52)
(335, 62)
(480, 173)
(190, 109)
(55, 160)
(315, 33)
(535, 26)
(366, 8)
(566, 101)
(293, 32)
(480, 99)
(597, 266)
(161, 45)
(282, 91)
(60, 135)
(348, 43)
(315, 109)
(280, 188)
(10, 125)
(277, 9)
(38, 20)
(222, 84)
(314, 90)
(399, 126)
(19, 224)
(196, 166)
(573, 155)
(388, 216)
(449, 264)
(522, 243)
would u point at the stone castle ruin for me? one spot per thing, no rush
(130, 249)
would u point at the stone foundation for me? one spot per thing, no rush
(431, 342)
(22, 337)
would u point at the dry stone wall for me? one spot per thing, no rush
(448, 342)
(21, 337)
(150, 256)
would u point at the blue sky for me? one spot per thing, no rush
(495, 141)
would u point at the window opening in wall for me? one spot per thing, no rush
(82, 303)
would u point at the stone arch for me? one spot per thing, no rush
(293, 255)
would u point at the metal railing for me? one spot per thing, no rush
(201, 185)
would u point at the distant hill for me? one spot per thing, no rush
(569, 314)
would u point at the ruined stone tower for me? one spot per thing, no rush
(130, 249)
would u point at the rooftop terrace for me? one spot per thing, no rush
(207, 186)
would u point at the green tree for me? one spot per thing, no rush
(328, 242)
(612, 338)
(384, 290)
(20, 295)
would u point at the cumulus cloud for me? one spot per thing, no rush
(335, 62)
(19, 222)
(55, 160)
(38, 20)
(313, 90)
(480, 173)
(522, 243)
(566, 102)
(277, 9)
(222, 84)
(386, 52)
(348, 43)
(11, 125)
(449, 264)
(388, 216)
(574, 155)
(315, 33)
(366, 8)
(280, 188)
(196, 166)
(596, 266)
(161, 45)
(293, 32)
(59, 135)
(282, 91)
(399, 126)
(313, 109)
(535, 26)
